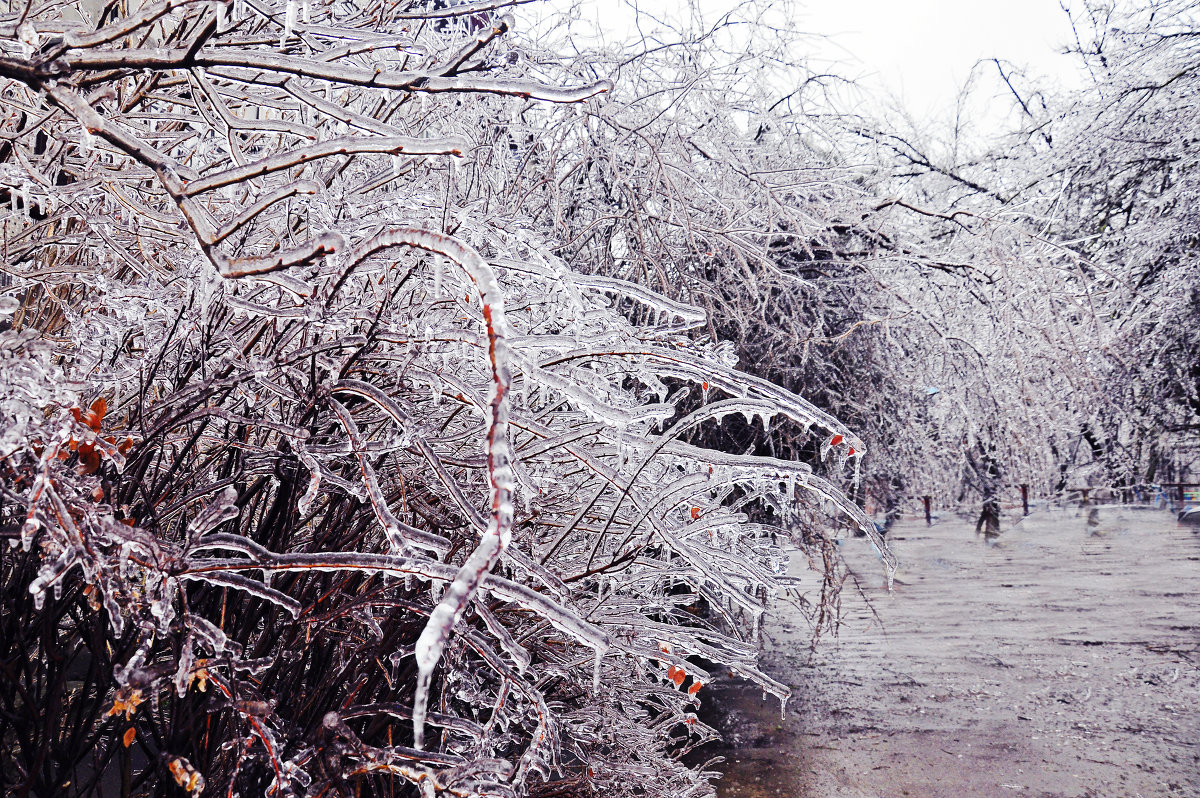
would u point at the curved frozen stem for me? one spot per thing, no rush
(385, 403)
(500, 476)
(399, 534)
(719, 376)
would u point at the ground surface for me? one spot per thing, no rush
(1063, 661)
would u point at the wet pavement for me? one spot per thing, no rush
(1062, 661)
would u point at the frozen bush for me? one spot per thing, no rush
(326, 475)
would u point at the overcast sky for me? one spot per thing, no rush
(918, 51)
(923, 50)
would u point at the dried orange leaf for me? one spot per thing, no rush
(96, 413)
(125, 701)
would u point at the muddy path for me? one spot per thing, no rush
(1063, 661)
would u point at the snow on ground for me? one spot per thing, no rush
(1063, 661)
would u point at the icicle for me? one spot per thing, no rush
(183, 673)
(28, 530)
(421, 704)
(314, 480)
(289, 21)
(596, 670)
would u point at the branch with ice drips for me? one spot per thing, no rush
(761, 398)
(260, 559)
(229, 73)
(717, 375)
(500, 479)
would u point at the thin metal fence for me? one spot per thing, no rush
(1178, 497)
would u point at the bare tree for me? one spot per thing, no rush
(1128, 167)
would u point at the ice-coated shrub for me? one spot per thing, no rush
(323, 473)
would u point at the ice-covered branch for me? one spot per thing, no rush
(498, 533)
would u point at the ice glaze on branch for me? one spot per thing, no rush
(272, 64)
(212, 72)
(499, 455)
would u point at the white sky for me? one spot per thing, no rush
(922, 51)
(919, 52)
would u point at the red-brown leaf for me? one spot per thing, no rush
(89, 459)
(96, 414)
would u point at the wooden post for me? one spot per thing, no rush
(1181, 495)
(1085, 496)
(1025, 499)
(928, 514)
